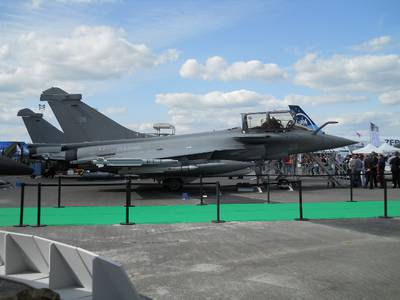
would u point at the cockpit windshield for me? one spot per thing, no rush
(268, 121)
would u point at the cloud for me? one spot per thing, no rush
(376, 44)
(35, 4)
(316, 100)
(368, 73)
(35, 62)
(141, 127)
(219, 110)
(115, 110)
(217, 68)
(214, 110)
(392, 97)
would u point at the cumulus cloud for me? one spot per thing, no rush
(214, 110)
(218, 110)
(34, 62)
(115, 110)
(368, 73)
(141, 127)
(316, 100)
(392, 97)
(376, 44)
(388, 121)
(217, 67)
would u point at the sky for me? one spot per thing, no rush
(199, 64)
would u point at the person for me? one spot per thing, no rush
(355, 166)
(370, 164)
(362, 173)
(381, 170)
(395, 168)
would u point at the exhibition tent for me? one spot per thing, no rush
(367, 149)
(386, 148)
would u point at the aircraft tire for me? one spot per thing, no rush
(173, 184)
(283, 184)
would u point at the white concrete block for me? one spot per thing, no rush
(62, 274)
(2, 247)
(87, 258)
(34, 250)
(110, 281)
(16, 262)
(71, 267)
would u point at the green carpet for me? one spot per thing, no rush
(92, 215)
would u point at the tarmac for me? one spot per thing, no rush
(318, 259)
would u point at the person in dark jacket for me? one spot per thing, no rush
(381, 170)
(371, 164)
(395, 168)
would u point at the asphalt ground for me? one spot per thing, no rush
(317, 259)
(327, 259)
(314, 190)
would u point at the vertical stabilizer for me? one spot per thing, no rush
(79, 119)
(302, 118)
(39, 129)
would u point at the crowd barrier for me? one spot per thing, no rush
(128, 202)
(72, 272)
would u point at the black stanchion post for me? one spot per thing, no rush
(217, 189)
(21, 210)
(300, 202)
(385, 204)
(127, 203)
(201, 192)
(351, 188)
(268, 190)
(59, 193)
(39, 205)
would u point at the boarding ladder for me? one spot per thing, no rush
(327, 169)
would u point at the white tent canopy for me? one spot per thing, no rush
(386, 148)
(367, 149)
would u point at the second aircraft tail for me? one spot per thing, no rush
(40, 131)
(79, 119)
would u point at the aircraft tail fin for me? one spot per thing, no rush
(39, 129)
(81, 122)
(302, 118)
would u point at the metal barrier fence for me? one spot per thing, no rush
(128, 201)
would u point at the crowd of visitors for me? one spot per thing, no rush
(365, 170)
(369, 170)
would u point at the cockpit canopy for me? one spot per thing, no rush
(279, 120)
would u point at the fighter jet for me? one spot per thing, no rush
(263, 136)
(79, 122)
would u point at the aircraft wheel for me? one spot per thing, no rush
(173, 184)
(283, 184)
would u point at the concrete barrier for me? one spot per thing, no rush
(72, 272)
(111, 282)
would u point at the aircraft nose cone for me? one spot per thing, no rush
(337, 142)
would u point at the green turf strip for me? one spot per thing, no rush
(98, 215)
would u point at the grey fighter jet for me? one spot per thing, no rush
(263, 136)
